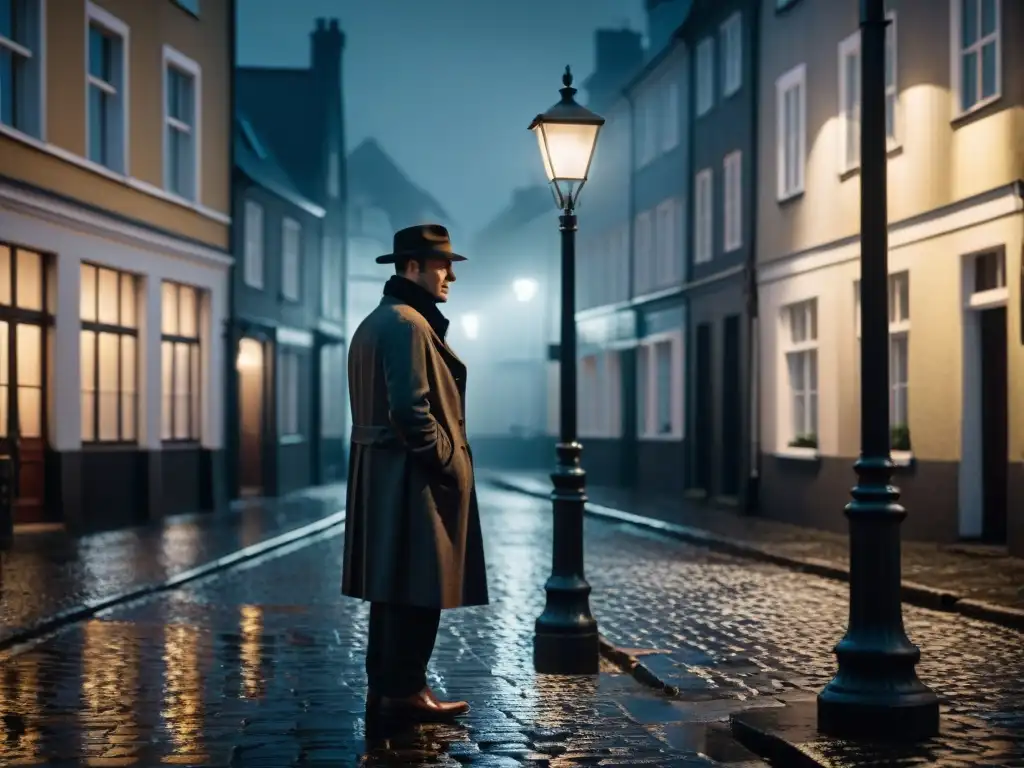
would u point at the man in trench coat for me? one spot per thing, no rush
(413, 544)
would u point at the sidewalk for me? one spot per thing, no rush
(974, 582)
(48, 578)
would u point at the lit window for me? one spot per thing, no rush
(181, 362)
(109, 345)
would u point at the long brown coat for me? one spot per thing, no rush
(412, 533)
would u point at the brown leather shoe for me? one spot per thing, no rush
(423, 706)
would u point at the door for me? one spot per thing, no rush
(703, 438)
(251, 415)
(732, 404)
(994, 425)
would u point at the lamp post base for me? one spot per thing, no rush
(874, 709)
(561, 653)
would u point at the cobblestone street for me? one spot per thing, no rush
(262, 665)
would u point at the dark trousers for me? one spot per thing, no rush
(399, 646)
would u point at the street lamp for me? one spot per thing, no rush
(876, 692)
(524, 288)
(565, 639)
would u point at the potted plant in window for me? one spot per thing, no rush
(809, 440)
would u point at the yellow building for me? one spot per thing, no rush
(955, 116)
(115, 170)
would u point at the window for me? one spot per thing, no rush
(659, 387)
(646, 127)
(21, 66)
(182, 368)
(291, 262)
(290, 394)
(801, 351)
(668, 251)
(732, 173)
(791, 130)
(600, 403)
(702, 217)
(705, 75)
(253, 264)
(643, 254)
(899, 331)
(332, 382)
(850, 95)
(334, 173)
(105, 83)
(670, 115)
(977, 71)
(989, 271)
(732, 54)
(181, 124)
(109, 345)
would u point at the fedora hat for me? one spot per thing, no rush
(424, 241)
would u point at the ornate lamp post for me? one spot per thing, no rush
(565, 639)
(876, 692)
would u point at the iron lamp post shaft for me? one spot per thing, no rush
(876, 692)
(565, 640)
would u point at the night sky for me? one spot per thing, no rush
(447, 87)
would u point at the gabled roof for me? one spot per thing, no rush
(255, 159)
(375, 179)
(283, 105)
(526, 205)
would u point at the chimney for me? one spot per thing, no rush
(618, 54)
(328, 42)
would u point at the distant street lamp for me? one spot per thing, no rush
(524, 288)
(876, 692)
(565, 640)
(471, 325)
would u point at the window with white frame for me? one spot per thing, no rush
(290, 394)
(791, 131)
(105, 81)
(643, 262)
(182, 84)
(732, 201)
(705, 75)
(703, 219)
(659, 387)
(600, 405)
(291, 259)
(670, 114)
(732, 54)
(899, 355)
(252, 267)
(850, 95)
(667, 245)
(800, 348)
(977, 70)
(21, 66)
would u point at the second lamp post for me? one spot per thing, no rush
(565, 640)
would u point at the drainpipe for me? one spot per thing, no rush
(753, 322)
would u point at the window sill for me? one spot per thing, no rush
(790, 196)
(798, 454)
(291, 439)
(964, 116)
(902, 458)
(101, 170)
(891, 151)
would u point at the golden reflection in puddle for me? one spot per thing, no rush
(251, 652)
(182, 709)
(19, 706)
(110, 685)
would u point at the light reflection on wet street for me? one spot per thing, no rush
(263, 665)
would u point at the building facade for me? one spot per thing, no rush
(954, 107)
(114, 255)
(290, 353)
(723, 104)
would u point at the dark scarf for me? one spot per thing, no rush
(407, 292)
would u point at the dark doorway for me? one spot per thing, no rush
(732, 403)
(703, 433)
(251, 367)
(994, 425)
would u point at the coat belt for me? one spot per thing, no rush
(379, 436)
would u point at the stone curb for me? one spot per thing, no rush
(912, 593)
(771, 746)
(91, 607)
(633, 666)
